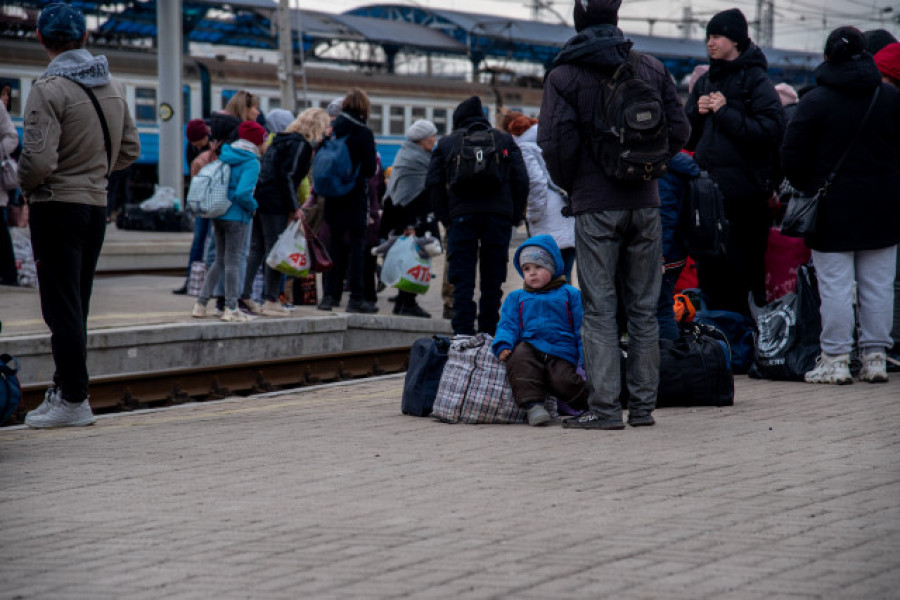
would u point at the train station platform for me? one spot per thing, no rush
(330, 492)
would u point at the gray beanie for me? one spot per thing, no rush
(536, 256)
(420, 130)
(278, 119)
(335, 108)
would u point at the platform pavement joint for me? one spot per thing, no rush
(332, 493)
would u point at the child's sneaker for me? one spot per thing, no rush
(62, 414)
(830, 369)
(874, 368)
(199, 310)
(538, 415)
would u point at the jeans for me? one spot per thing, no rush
(264, 233)
(623, 246)
(895, 330)
(665, 313)
(873, 271)
(568, 256)
(66, 239)
(198, 245)
(242, 263)
(482, 241)
(230, 237)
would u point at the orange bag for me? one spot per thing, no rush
(684, 309)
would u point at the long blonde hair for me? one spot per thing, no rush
(311, 124)
(240, 103)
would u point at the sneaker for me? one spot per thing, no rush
(62, 414)
(874, 369)
(180, 291)
(413, 310)
(639, 420)
(830, 369)
(199, 310)
(274, 309)
(326, 303)
(591, 421)
(217, 312)
(538, 415)
(51, 397)
(249, 306)
(361, 306)
(235, 315)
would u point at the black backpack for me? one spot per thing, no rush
(630, 132)
(475, 165)
(705, 224)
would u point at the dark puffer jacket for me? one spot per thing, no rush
(352, 209)
(861, 210)
(739, 143)
(509, 201)
(282, 168)
(571, 91)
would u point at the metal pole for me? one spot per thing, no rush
(170, 109)
(286, 61)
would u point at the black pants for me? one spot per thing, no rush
(8, 273)
(66, 239)
(534, 374)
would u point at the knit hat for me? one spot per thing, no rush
(732, 24)
(420, 130)
(197, 129)
(888, 60)
(253, 132)
(596, 12)
(844, 43)
(279, 119)
(61, 22)
(536, 255)
(876, 39)
(787, 94)
(335, 107)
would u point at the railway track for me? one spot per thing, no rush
(165, 388)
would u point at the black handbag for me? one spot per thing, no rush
(802, 209)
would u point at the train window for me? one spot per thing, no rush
(14, 103)
(226, 96)
(186, 102)
(398, 120)
(145, 105)
(418, 112)
(376, 119)
(439, 118)
(274, 103)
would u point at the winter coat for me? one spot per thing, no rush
(508, 202)
(351, 210)
(64, 156)
(9, 140)
(861, 210)
(282, 169)
(545, 200)
(548, 319)
(672, 193)
(406, 200)
(571, 92)
(739, 143)
(243, 158)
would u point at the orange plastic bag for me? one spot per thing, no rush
(684, 309)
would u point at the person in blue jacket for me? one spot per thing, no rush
(229, 229)
(539, 334)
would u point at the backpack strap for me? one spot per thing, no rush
(106, 139)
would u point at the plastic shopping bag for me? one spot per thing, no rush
(289, 255)
(404, 269)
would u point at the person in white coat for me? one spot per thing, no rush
(545, 199)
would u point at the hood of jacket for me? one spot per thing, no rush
(600, 45)
(547, 243)
(855, 76)
(237, 153)
(80, 66)
(287, 139)
(468, 112)
(751, 57)
(529, 136)
(682, 164)
(223, 127)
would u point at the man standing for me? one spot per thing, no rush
(618, 236)
(77, 130)
(737, 124)
(479, 187)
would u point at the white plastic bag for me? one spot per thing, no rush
(163, 198)
(289, 255)
(404, 269)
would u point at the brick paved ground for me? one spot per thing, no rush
(331, 493)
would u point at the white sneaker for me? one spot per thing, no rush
(874, 368)
(830, 369)
(51, 397)
(62, 414)
(199, 310)
(274, 309)
(251, 305)
(235, 315)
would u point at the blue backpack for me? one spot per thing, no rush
(10, 390)
(333, 172)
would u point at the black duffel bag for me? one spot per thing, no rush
(695, 369)
(427, 358)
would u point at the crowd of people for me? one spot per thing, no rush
(582, 209)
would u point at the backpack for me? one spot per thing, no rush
(705, 224)
(630, 131)
(208, 194)
(474, 164)
(10, 389)
(426, 365)
(333, 172)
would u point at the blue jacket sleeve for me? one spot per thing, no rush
(508, 332)
(243, 191)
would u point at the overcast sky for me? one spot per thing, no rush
(799, 24)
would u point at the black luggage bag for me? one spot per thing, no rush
(133, 217)
(426, 364)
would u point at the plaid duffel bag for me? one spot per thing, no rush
(473, 387)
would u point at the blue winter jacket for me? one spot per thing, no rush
(244, 173)
(548, 320)
(672, 195)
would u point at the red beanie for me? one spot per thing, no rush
(253, 132)
(888, 60)
(196, 130)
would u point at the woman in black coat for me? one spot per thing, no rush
(858, 220)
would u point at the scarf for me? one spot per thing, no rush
(555, 283)
(408, 173)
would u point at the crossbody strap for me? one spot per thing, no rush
(862, 124)
(106, 139)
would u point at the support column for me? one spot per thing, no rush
(169, 108)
